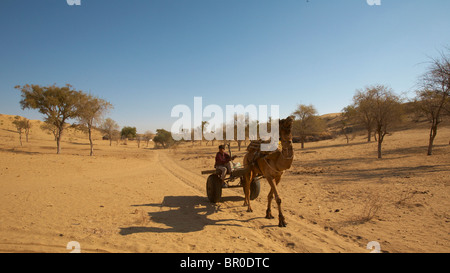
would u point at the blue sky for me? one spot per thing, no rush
(146, 56)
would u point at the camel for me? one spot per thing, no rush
(271, 166)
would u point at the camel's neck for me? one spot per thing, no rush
(287, 151)
(284, 161)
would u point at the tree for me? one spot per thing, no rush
(239, 122)
(447, 107)
(204, 124)
(431, 104)
(128, 132)
(240, 129)
(27, 124)
(348, 115)
(110, 128)
(308, 123)
(388, 113)
(139, 137)
(362, 110)
(22, 125)
(433, 99)
(90, 111)
(57, 104)
(380, 105)
(164, 138)
(148, 136)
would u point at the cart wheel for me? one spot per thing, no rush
(255, 187)
(214, 188)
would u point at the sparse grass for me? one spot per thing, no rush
(404, 196)
(370, 210)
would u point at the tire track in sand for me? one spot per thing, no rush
(240, 227)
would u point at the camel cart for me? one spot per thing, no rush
(234, 180)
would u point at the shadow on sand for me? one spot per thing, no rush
(17, 151)
(181, 214)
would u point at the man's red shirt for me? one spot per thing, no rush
(222, 159)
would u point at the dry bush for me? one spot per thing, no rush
(370, 210)
(404, 196)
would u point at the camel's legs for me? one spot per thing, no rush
(281, 219)
(248, 179)
(269, 203)
(273, 185)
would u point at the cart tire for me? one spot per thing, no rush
(255, 188)
(214, 188)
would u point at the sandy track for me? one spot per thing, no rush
(299, 236)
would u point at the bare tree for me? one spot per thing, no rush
(447, 107)
(139, 137)
(148, 136)
(90, 110)
(58, 104)
(433, 99)
(431, 104)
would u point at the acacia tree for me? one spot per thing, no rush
(22, 125)
(387, 112)
(382, 107)
(164, 138)
(90, 110)
(110, 128)
(57, 104)
(128, 132)
(308, 123)
(362, 110)
(433, 99)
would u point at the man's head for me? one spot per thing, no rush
(222, 148)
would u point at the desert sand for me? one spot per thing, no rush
(337, 197)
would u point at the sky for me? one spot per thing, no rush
(147, 56)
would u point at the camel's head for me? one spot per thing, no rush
(286, 128)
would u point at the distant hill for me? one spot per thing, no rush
(410, 121)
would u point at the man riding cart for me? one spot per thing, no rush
(223, 164)
(218, 178)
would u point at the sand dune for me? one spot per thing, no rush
(336, 197)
